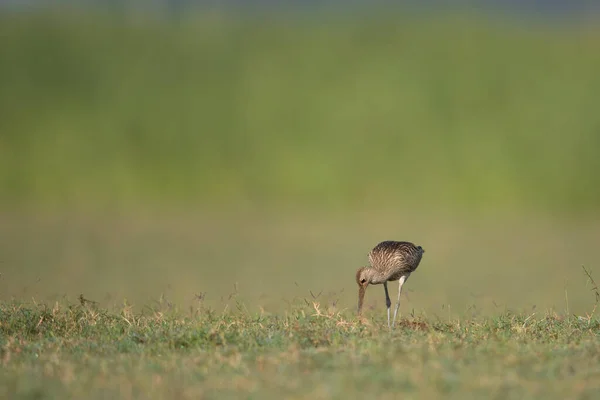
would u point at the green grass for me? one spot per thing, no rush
(311, 351)
(141, 157)
(477, 321)
(318, 112)
(486, 265)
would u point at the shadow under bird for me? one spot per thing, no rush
(389, 261)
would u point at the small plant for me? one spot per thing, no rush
(594, 290)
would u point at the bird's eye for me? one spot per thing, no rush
(363, 280)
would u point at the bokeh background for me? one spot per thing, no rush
(181, 149)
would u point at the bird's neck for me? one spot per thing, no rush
(376, 277)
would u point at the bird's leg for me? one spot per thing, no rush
(388, 302)
(402, 280)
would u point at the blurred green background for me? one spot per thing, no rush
(142, 155)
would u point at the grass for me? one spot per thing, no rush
(142, 156)
(303, 340)
(488, 264)
(478, 320)
(317, 112)
(469, 328)
(309, 351)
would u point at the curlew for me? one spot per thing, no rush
(390, 261)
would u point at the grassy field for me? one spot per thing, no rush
(384, 110)
(475, 266)
(222, 306)
(212, 183)
(309, 352)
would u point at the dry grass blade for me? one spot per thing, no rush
(593, 282)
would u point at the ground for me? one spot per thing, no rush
(311, 351)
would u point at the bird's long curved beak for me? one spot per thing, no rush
(361, 297)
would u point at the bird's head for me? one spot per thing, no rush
(363, 278)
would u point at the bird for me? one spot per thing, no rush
(389, 261)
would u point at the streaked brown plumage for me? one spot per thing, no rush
(390, 261)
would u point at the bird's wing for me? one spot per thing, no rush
(390, 253)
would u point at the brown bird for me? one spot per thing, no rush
(390, 261)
